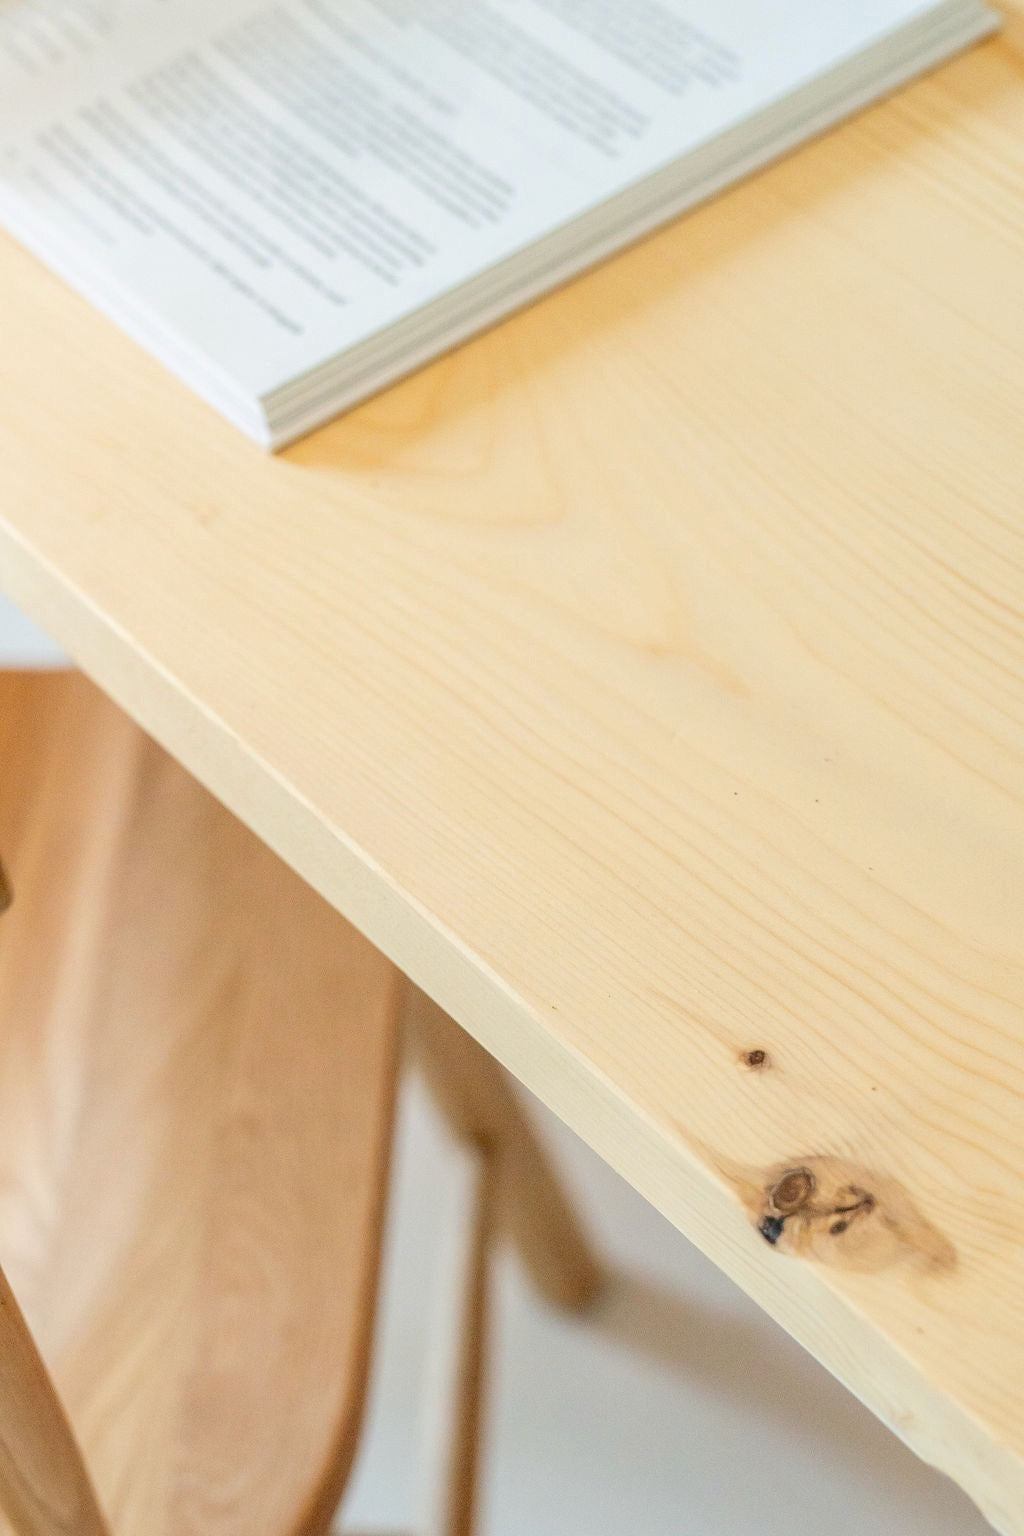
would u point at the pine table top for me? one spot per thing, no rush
(647, 680)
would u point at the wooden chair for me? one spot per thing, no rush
(197, 1076)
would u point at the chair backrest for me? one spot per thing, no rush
(197, 1067)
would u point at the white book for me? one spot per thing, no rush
(293, 202)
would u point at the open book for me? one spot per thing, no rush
(293, 202)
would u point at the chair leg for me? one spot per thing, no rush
(463, 1462)
(456, 1376)
(44, 1487)
(480, 1103)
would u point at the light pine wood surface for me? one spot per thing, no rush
(646, 679)
(197, 1064)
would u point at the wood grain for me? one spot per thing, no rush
(197, 1061)
(45, 1489)
(646, 679)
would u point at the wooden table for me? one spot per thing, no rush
(647, 679)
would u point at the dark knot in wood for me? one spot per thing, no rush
(791, 1192)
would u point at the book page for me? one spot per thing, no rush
(37, 35)
(276, 182)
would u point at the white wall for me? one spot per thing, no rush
(21, 643)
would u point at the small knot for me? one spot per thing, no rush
(791, 1192)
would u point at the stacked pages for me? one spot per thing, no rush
(293, 203)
